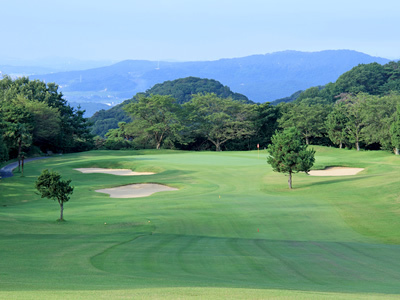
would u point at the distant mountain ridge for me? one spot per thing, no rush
(262, 78)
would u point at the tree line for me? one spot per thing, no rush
(207, 121)
(35, 118)
(211, 122)
(180, 89)
(360, 110)
(353, 121)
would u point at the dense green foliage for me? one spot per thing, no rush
(51, 186)
(156, 117)
(34, 115)
(335, 124)
(104, 120)
(368, 78)
(217, 119)
(358, 121)
(265, 118)
(373, 79)
(395, 131)
(3, 149)
(307, 116)
(232, 231)
(120, 138)
(288, 153)
(358, 110)
(353, 120)
(181, 90)
(205, 122)
(291, 98)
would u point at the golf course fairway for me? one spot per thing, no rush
(231, 230)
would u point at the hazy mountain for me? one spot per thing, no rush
(261, 78)
(89, 107)
(19, 71)
(14, 66)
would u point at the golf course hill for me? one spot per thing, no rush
(180, 89)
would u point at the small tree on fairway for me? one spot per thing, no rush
(50, 185)
(288, 154)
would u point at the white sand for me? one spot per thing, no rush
(120, 172)
(335, 171)
(136, 190)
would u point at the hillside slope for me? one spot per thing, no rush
(181, 89)
(261, 78)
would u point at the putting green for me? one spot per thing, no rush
(232, 230)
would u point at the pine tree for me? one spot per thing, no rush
(288, 153)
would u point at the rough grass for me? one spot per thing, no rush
(233, 230)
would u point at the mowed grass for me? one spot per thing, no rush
(232, 230)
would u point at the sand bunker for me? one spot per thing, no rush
(120, 172)
(335, 171)
(136, 190)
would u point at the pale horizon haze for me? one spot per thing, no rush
(195, 30)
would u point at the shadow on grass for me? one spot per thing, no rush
(325, 181)
(255, 263)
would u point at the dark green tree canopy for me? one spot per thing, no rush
(395, 131)
(367, 93)
(367, 78)
(288, 153)
(157, 116)
(104, 120)
(181, 90)
(307, 115)
(219, 119)
(365, 100)
(50, 185)
(373, 79)
(265, 123)
(51, 122)
(336, 125)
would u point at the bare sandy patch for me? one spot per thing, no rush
(136, 190)
(120, 172)
(335, 171)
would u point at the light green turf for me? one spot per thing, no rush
(232, 230)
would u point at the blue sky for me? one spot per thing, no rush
(185, 30)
